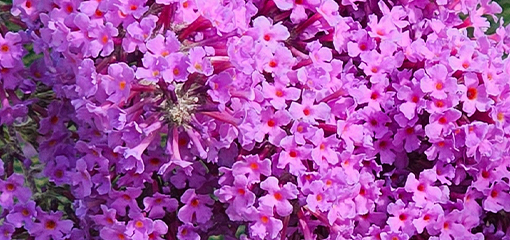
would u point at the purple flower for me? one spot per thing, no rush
(238, 196)
(50, 225)
(108, 218)
(437, 82)
(279, 94)
(423, 191)
(102, 36)
(264, 224)
(293, 155)
(159, 204)
(123, 199)
(325, 149)
(307, 110)
(11, 188)
(474, 95)
(441, 124)
(253, 166)
(497, 197)
(267, 33)
(198, 62)
(6, 231)
(278, 196)
(118, 82)
(11, 50)
(162, 46)
(22, 213)
(408, 137)
(402, 217)
(195, 208)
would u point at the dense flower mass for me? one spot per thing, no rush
(254, 119)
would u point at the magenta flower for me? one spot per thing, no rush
(293, 155)
(325, 149)
(271, 124)
(238, 196)
(408, 137)
(428, 217)
(198, 62)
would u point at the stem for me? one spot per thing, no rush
(299, 29)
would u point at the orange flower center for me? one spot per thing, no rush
(50, 225)
(472, 93)
(271, 123)
(254, 166)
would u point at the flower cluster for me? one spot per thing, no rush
(254, 119)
